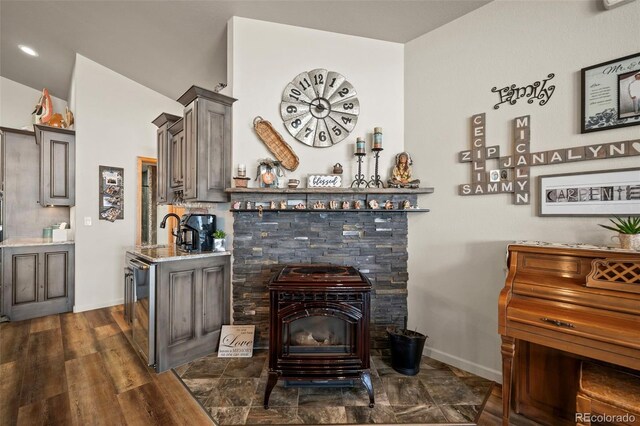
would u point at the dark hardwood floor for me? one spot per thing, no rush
(79, 369)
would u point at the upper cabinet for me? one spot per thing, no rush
(164, 122)
(57, 166)
(176, 157)
(197, 149)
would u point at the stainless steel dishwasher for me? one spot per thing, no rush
(144, 308)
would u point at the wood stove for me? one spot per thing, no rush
(319, 326)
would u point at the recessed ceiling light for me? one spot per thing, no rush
(28, 50)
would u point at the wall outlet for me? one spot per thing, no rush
(87, 221)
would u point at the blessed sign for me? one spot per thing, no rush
(514, 170)
(236, 341)
(324, 181)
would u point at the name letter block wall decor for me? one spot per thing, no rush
(514, 170)
(521, 145)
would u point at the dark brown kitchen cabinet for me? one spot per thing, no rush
(176, 157)
(207, 139)
(37, 280)
(57, 166)
(190, 151)
(20, 208)
(163, 121)
(193, 302)
(198, 148)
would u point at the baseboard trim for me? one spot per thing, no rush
(82, 308)
(463, 364)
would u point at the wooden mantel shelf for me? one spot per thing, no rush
(389, 191)
(350, 210)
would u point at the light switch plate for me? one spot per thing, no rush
(87, 221)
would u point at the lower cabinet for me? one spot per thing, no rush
(37, 280)
(193, 302)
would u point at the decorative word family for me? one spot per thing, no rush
(536, 90)
(514, 170)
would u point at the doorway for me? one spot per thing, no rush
(147, 220)
(148, 210)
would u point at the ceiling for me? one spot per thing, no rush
(170, 45)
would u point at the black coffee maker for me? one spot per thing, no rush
(196, 232)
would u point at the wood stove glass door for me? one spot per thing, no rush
(319, 333)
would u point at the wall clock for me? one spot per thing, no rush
(319, 108)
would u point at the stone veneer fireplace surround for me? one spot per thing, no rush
(372, 240)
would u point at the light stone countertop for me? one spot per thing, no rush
(25, 242)
(171, 253)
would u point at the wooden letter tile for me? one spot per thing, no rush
(575, 154)
(493, 151)
(556, 156)
(538, 158)
(479, 176)
(464, 189)
(616, 149)
(506, 162)
(521, 198)
(593, 152)
(522, 160)
(464, 157)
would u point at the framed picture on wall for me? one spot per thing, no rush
(611, 94)
(111, 194)
(629, 94)
(598, 193)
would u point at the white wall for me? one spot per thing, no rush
(264, 57)
(113, 128)
(17, 102)
(457, 252)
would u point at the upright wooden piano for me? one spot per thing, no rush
(561, 303)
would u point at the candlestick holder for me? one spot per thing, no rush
(360, 179)
(375, 179)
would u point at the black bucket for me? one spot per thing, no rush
(406, 350)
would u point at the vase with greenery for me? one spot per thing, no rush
(628, 231)
(219, 240)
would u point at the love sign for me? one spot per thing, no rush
(236, 341)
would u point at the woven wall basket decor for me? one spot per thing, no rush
(276, 144)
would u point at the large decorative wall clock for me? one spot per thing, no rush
(319, 108)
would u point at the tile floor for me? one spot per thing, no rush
(232, 390)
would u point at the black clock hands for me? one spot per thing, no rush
(319, 106)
